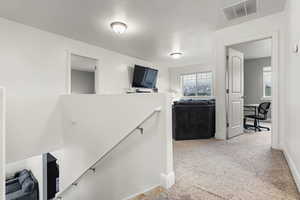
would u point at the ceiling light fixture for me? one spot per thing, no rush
(119, 27)
(176, 55)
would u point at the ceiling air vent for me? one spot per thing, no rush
(240, 9)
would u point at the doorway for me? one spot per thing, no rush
(249, 87)
(82, 74)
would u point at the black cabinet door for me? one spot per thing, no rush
(193, 122)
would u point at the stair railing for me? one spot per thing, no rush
(104, 155)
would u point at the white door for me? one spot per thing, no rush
(235, 93)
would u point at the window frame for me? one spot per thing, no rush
(263, 82)
(193, 73)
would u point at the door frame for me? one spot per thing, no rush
(69, 69)
(275, 79)
(2, 142)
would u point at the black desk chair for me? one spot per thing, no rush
(262, 115)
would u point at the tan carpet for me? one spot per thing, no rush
(244, 168)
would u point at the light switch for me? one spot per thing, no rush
(296, 48)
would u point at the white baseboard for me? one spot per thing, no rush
(293, 168)
(142, 192)
(167, 180)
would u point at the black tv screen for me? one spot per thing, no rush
(144, 77)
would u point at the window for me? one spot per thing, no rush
(197, 84)
(267, 82)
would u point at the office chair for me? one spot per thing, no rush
(262, 115)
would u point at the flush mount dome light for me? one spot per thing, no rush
(176, 55)
(118, 27)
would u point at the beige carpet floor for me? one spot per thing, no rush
(244, 168)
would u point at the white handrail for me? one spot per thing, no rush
(93, 166)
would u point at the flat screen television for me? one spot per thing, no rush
(144, 77)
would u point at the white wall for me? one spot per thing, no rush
(94, 123)
(83, 63)
(33, 69)
(2, 143)
(176, 72)
(253, 78)
(34, 164)
(292, 95)
(255, 49)
(235, 34)
(82, 82)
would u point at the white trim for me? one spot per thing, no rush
(68, 73)
(275, 77)
(167, 180)
(293, 168)
(3, 132)
(68, 70)
(142, 192)
(275, 90)
(266, 99)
